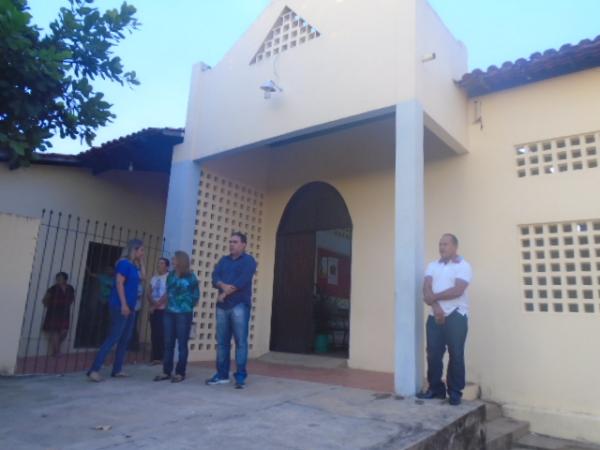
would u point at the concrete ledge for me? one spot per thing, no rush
(466, 433)
(270, 414)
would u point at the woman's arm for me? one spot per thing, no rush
(121, 293)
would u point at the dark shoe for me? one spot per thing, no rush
(162, 377)
(216, 380)
(430, 395)
(177, 378)
(240, 385)
(454, 400)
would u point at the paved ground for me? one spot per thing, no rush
(63, 412)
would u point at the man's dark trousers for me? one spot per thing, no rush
(452, 335)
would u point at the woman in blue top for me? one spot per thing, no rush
(183, 294)
(122, 302)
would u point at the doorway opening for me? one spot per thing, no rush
(312, 283)
(93, 320)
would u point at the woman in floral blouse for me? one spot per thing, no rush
(183, 294)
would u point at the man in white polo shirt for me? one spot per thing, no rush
(444, 289)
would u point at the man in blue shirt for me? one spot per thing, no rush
(233, 276)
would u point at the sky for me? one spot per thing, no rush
(176, 34)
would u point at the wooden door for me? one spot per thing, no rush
(292, 324)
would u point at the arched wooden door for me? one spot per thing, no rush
(314, 207)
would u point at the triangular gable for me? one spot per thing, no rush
(290, 30)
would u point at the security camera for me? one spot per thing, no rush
(269, 88)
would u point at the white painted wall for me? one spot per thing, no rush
(131, 199)
(363, 61)
(18, 237)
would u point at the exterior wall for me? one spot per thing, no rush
(444, 103)
(107, 197)
(18, 237)
(360, 165)
(538, 364)
(366, 50)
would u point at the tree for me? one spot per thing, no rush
(46, 80)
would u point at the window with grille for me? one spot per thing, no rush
(554, 156)
(290, 31)
(560, 265)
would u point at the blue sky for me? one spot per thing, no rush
(175, 34)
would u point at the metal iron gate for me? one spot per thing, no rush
(87, 251)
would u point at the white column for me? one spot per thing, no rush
(409, 245)
(180, 219)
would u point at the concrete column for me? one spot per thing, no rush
(409, 248)
(182, 201)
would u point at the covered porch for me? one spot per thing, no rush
(360, 179)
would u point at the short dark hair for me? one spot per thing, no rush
(166, 260)
(453, 238)
(241, 235)
(62, 274)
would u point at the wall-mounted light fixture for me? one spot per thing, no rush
(429, 57)
(269, 88)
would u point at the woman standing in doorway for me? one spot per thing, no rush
(58, 301)
(183, 294)
(122, 303)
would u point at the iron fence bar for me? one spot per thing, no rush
(98, 328)
(88, 332)
(72, 230)
(61, 268)
(83, 246)
(47, 286)
(69, 339)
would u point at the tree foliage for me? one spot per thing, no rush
(46, 79)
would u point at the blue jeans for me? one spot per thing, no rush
(233, 322)
(451, 335)
(121, 328)
(176, 327)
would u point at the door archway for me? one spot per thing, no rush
(311, 291)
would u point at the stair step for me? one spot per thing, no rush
(471, 392)
(539, 442)
(503, 433)
(493, 411)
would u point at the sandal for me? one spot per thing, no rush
(162, 377)
(177, 378)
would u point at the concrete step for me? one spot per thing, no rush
(310, 361)
(534, 441)
(471, 392)
(493, 411)
(503, 433)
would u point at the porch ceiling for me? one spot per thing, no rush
(383, 127)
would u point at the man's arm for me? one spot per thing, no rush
(216, 276)
(246, 275)
(428, 298)
(428, 290)
(452, 293)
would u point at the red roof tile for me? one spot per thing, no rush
(540, 66)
